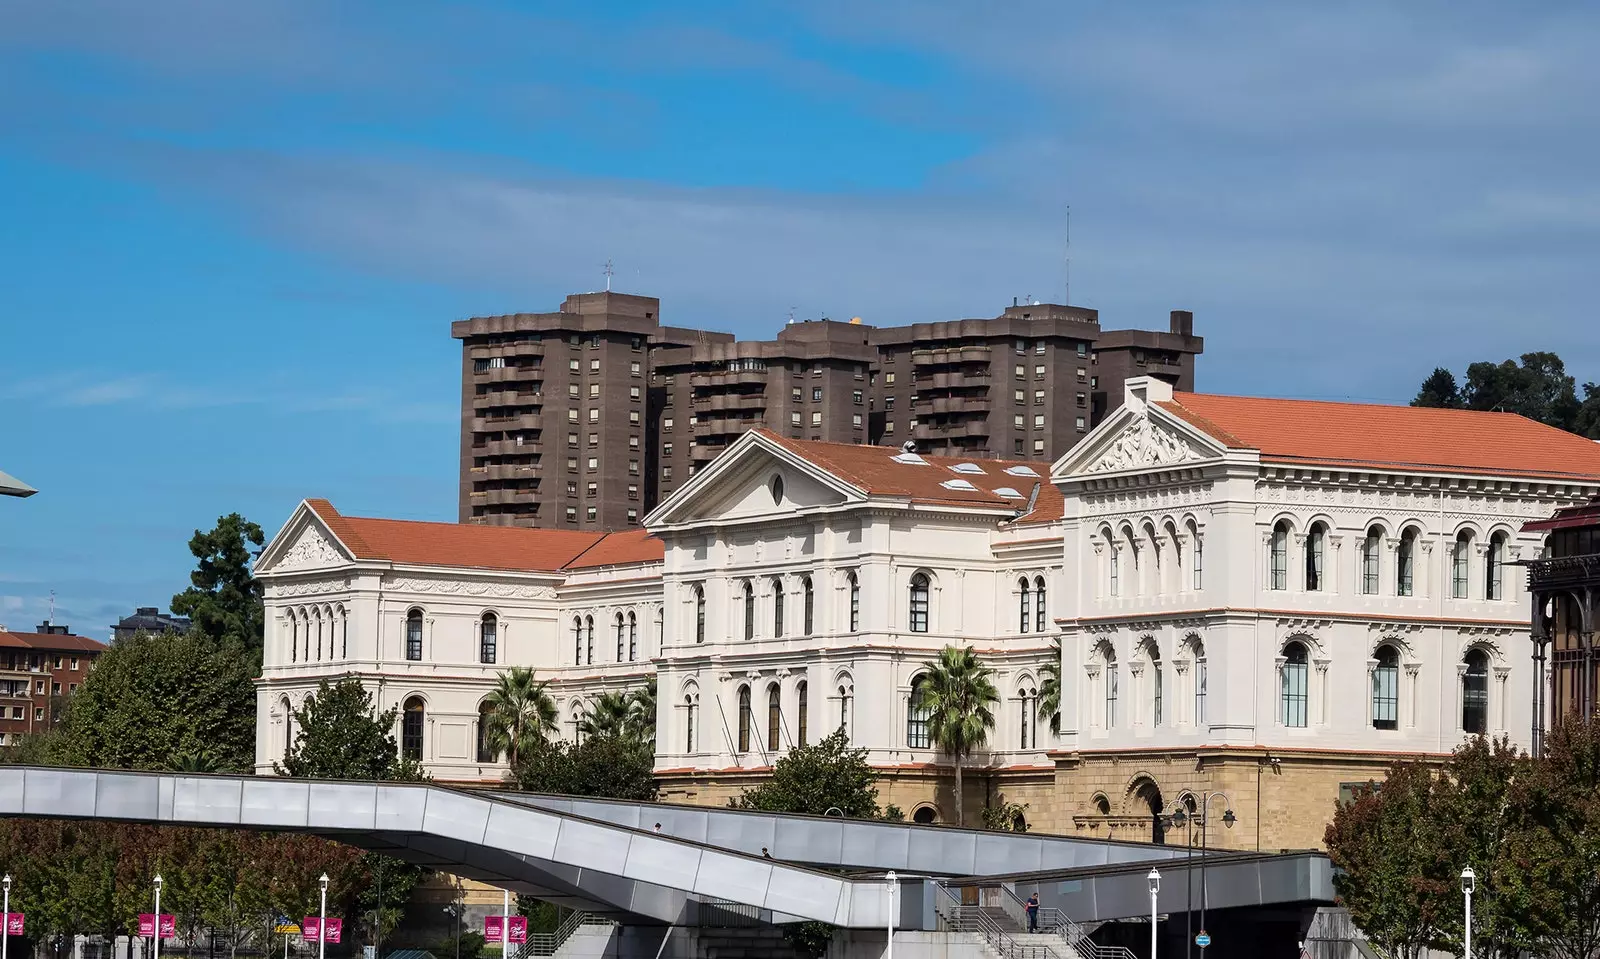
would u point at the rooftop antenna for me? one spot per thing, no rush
(608, 274)
(1066, 267)
(52, 617)
(791, 316)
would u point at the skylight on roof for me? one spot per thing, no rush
(958, 484)
(1021, 471)
(967, 468)
(1008, 493)
(910, 459)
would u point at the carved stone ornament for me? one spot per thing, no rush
(311, 551)
(473, 588)
(1143, 444)
(311, 588)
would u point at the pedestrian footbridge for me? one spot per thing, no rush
(643, 863)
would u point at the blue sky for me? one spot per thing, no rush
(233, 236)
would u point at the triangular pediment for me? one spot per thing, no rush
(1135, 439)
(757, 478)
(304, 543)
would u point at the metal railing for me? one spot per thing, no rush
(547, 943)
(1058, 923)
(958, 917)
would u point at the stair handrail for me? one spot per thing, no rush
(966, 918)
(1072, 933)
(548, 943)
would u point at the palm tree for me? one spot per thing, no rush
(957, 694)
(609, 717)
(520, 715)
(643, 701)
(1050, 688)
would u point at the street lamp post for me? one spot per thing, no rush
(5, 918)
(1182, 818)
(1228, 819)
(155, 938)
(1155, 887)
(1469, 883)
(322, 923)
(891, 884)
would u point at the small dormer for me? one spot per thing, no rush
(969, 468)
(1022, 471)
(959, 484)
(1007, 492)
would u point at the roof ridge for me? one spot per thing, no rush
(587, 549)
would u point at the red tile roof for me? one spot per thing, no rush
(50, 642)
(487, 547)
(1359, 435)
(874, 471)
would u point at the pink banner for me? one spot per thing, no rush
(147, 925)
(13, 923)
(312, 924)
(492, 931)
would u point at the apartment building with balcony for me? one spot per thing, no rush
(588, 417)
(38, 670)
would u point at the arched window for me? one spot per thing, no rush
(749, 610)
(488, 639)
(288, 726)
(1280, 556)
(318, 631)
(661, 628)
(344, 633)
(846, 695)
(577, 641)
(801, 711)
(1371, 553)
(1405, 563)
(1156, 686)
(699, 614)
(1198, 651)
(1316, 549)
(809, 609)
(1028, 702)
(414, 635)
(1038, 604)
(1114, 564)
(777, 606)
(618, 622)
(774, 717)
(925, 816)
(1024, 606)
(689, 707)
(919, 603)
(1292, 697)
(855, 601)
(1386, 689)
(1475, 693)
(411, 719)
(633, 637)
(1197, 559)
(294, 637)
(588, 639)
(1111, 688)
(744, 719)
(1494, 573)
(485, 720)
(917, 715)
(1459, 564)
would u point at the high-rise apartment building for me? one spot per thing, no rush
(588, 417)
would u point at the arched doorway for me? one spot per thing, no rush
(1147, 796)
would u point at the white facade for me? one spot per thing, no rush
(1288, 607)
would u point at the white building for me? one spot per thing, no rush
(1263, 597)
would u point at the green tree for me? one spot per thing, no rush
(958, 695)
(520, 715)
(224, 600)
(1394, 871)
(153, 699)
(1050, 687)
(643, 700)
(610, 716)
(339, 734)
(1006, 816)
(813, 779)
(1439, 390)
(605, 767)
(1587, 422)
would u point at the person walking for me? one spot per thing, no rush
(1033, 913)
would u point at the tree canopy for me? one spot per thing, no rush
(224, 599)
(1538, 387)
(957, 694)
(519, 715)
(816, 778)
(339, 734)
(609, 767)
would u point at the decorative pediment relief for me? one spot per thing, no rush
(311, 550)
(1143, 444)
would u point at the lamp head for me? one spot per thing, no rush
(1469, 881)
(1228, 818)
(1179, 818)
(324, 882)
(1155, 881)
(158, 882)
(6, 882)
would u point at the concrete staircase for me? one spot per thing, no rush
(744, 943)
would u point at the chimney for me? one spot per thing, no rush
(147, 610)
(48, 629)
(1183, 322)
